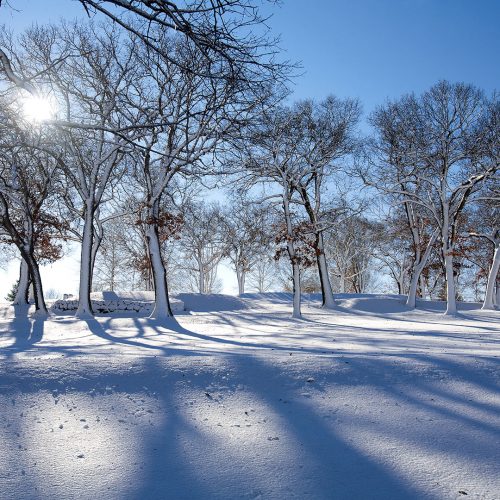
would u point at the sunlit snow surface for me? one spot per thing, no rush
(239, 401)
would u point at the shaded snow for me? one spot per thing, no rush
(366, 401)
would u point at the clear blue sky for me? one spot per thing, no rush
(375, 49)
(370, 49)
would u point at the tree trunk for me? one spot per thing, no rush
(293, 259)
(34, 271)
(327, 299)
(240, 276)
(21, 297)
(96, 243)
(86, 265)
(492, 280)
(201, 282)
(451, 303)
(422, 285)
(342, 283)
(418, 266)
(162, 310)
(326, 287)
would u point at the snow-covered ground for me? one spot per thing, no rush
(240, 401)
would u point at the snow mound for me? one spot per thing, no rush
(110, 302)
(142, 302)
(211, 302)
(371, 303)
(142, 295)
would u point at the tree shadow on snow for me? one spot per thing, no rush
(25, 331)
(296, 449)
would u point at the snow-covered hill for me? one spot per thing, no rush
(237, 400)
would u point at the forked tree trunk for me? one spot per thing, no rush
(23, 286)
(34, 271)
(489, 298)
(418, 266)
(26, 250)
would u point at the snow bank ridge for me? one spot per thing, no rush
(120, 304)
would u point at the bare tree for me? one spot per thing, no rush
(437, 154)
(27, 180)
(89, 87)
(230, 37)
(351, 248)
(328, 136)
(111, 269)
(271, 155)
(394, 252)
(201, 115)
(246, 229)
(203, 244)
(262, 275)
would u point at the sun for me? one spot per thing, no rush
(37, 109)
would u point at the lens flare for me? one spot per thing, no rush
(38, 109)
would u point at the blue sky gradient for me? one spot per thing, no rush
(379, 49)
(369, 49)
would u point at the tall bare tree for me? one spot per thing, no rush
(28, 177)
(271, 155)
(438, 150)
(328, 136)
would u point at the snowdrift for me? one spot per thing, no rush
(142, 302)
(110, 302)
(211, 302)
(372, 303)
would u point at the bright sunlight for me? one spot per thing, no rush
(38, 109)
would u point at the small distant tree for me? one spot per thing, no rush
(11, 296)
(203, 244)
(352, 248)
(246, 228)
(262, 275)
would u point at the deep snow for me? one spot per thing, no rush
(370, 400)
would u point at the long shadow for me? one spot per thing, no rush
(176, 457)
(333, 328)
(414, 318)
(326, 465)
(24, 331)
(173, 327)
